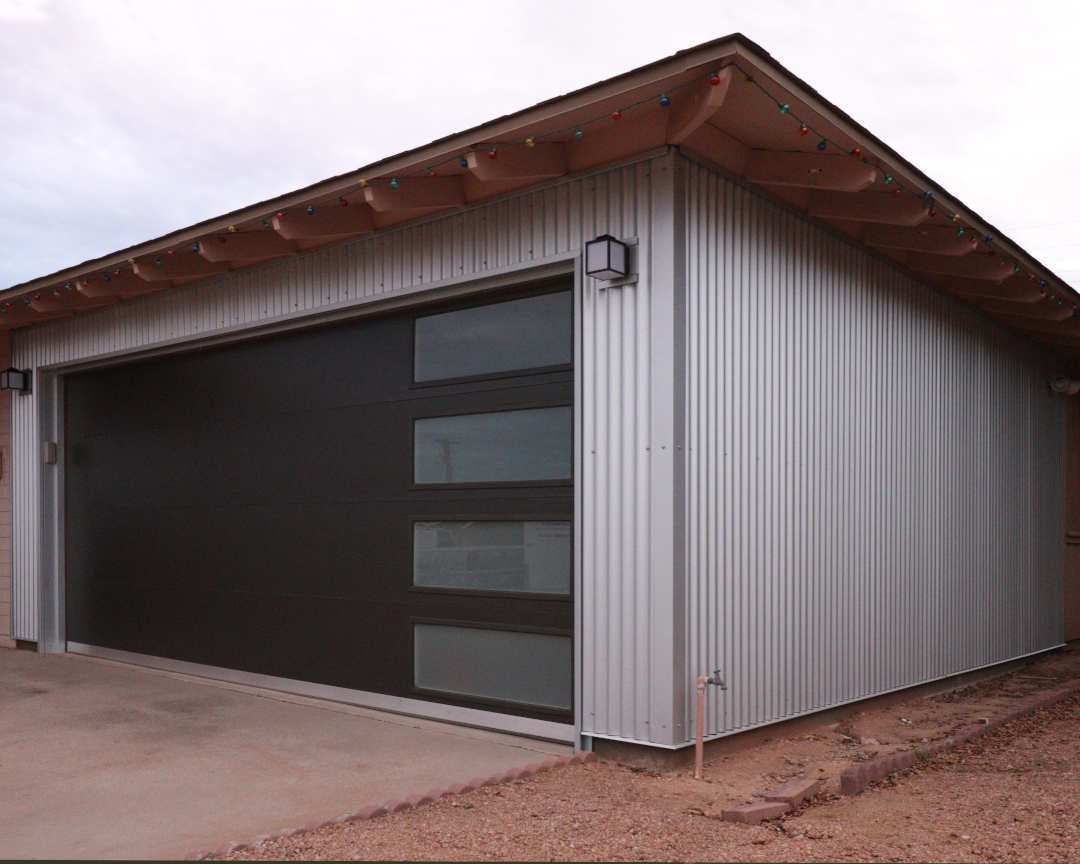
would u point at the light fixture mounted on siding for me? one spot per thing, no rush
(607, 258)
(15, 379)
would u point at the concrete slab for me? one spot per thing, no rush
(106, 760)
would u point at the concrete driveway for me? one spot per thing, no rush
(107, 760)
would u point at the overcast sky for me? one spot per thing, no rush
(120, 121)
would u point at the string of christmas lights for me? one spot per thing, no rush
(577, 131)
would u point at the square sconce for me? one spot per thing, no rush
(606, 258)
(15, 379)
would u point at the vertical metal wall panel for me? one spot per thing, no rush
(620, 636)
(874, 488)
(627, 645)
(24, 516)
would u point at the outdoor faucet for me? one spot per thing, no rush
(716, 679)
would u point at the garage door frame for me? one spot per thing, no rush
(49, 387)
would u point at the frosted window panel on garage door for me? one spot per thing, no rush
(527, 668)
(529, 333)
(504, 446)
(531, 557)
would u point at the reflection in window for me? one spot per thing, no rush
(504, 446)
(531, 557)
(516, 334)
(530, 668)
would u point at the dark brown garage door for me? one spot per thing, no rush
(382, 505)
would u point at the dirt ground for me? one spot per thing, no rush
(1012, 795)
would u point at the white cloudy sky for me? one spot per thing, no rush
(124, 119)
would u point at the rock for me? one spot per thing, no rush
(871, 742)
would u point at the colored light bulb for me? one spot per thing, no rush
(803, 129)
(616, 115)
(361, 182)
(530, 142)
(822, 144)
(888, 180)
(714, 78)
(578, 133)
(309, 210)
(493, 153)
(856, 152)
(784, 107)
(463, 162)
(394, 184)
(665, 100)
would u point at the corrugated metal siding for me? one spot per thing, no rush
(627, 467)
(616, 501)
(874, 471)
(24, 515)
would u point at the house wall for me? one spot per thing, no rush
(874, 472)
(624, 466)
(6, 638)
(1072, 521)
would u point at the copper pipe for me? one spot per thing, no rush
(699, 746)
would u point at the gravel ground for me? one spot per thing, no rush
(1013, 795)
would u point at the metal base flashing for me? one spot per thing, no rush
(829, 707)
(546, 730)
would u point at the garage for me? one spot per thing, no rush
(382, 505)
(533, 426)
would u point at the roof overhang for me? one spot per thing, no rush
(727, 103)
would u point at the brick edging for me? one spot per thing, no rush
(859, 775)
(397, 805)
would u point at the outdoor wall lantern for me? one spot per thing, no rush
(15, 379)
(606, 258)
